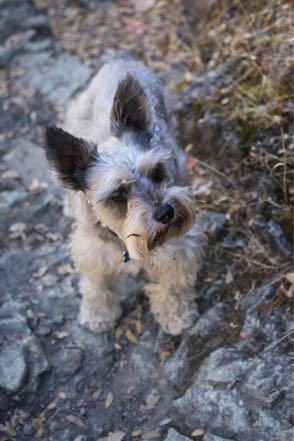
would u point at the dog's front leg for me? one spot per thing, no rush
(172, 293)
(97, 260)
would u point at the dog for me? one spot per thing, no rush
(126, 177)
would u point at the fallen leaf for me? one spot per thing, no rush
(96, 395)
(108, 400)
(152, 400)
(116, 436)
(79, 438)
(131, 389)
(36, 186)
(229, 278)
(38, 425)
(198, 432)
(65, 269)
(75, 420)
(139, 327)
(41, 314)
(137, 432)
(150, 435)
(41, 271)
(164, 354)
(290, 277)
(17, 227)
(61, 334)
(52, 405)
(130, 336)
(39, 288)
(165, 421)
(10, 174)
(113, 436)
(8, 427)
(118, 332)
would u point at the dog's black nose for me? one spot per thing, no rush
(164, 214)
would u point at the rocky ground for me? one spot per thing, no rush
(229, 376)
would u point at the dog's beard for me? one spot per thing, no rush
(143, 235)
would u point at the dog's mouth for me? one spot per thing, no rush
(157, 238)
(148, 234)
(153, 239)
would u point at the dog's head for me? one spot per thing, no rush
(131, 186)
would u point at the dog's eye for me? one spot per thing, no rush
(158, 173)
(119, 195)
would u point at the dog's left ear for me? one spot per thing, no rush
(69, 157)
(130, 109)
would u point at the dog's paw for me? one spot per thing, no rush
(98, 318)
(174, 318)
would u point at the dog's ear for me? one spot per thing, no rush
(130, 108)
(69, 157)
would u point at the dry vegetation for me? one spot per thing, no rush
(240, 151)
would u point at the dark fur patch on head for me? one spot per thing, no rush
(68, 156)
(158, 173)
(130, 110)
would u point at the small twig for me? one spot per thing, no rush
(285, 168)
(133, 234)
(214, 170)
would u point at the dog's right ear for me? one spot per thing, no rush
(130, 109)
(69, 157)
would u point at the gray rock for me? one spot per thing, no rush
(50, 75)
(232, 243)
(209, 330)
(204, 405)
(12, 46)
(255, 298)
(67, 361)
(272, 234)
(28, 160)
(39, 46)
(129, 289)
(20, 206)
(173, 435)
(31, 359)
(211, 322)
(223, 366)
(286, 435)
(143, 359)
(207, 84)
(211, 222)
(239, 397)
(265, 388)
(13, 15)
(12, 369)
(36, 21)
(213, 293)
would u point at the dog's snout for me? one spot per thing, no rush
(164, 214)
